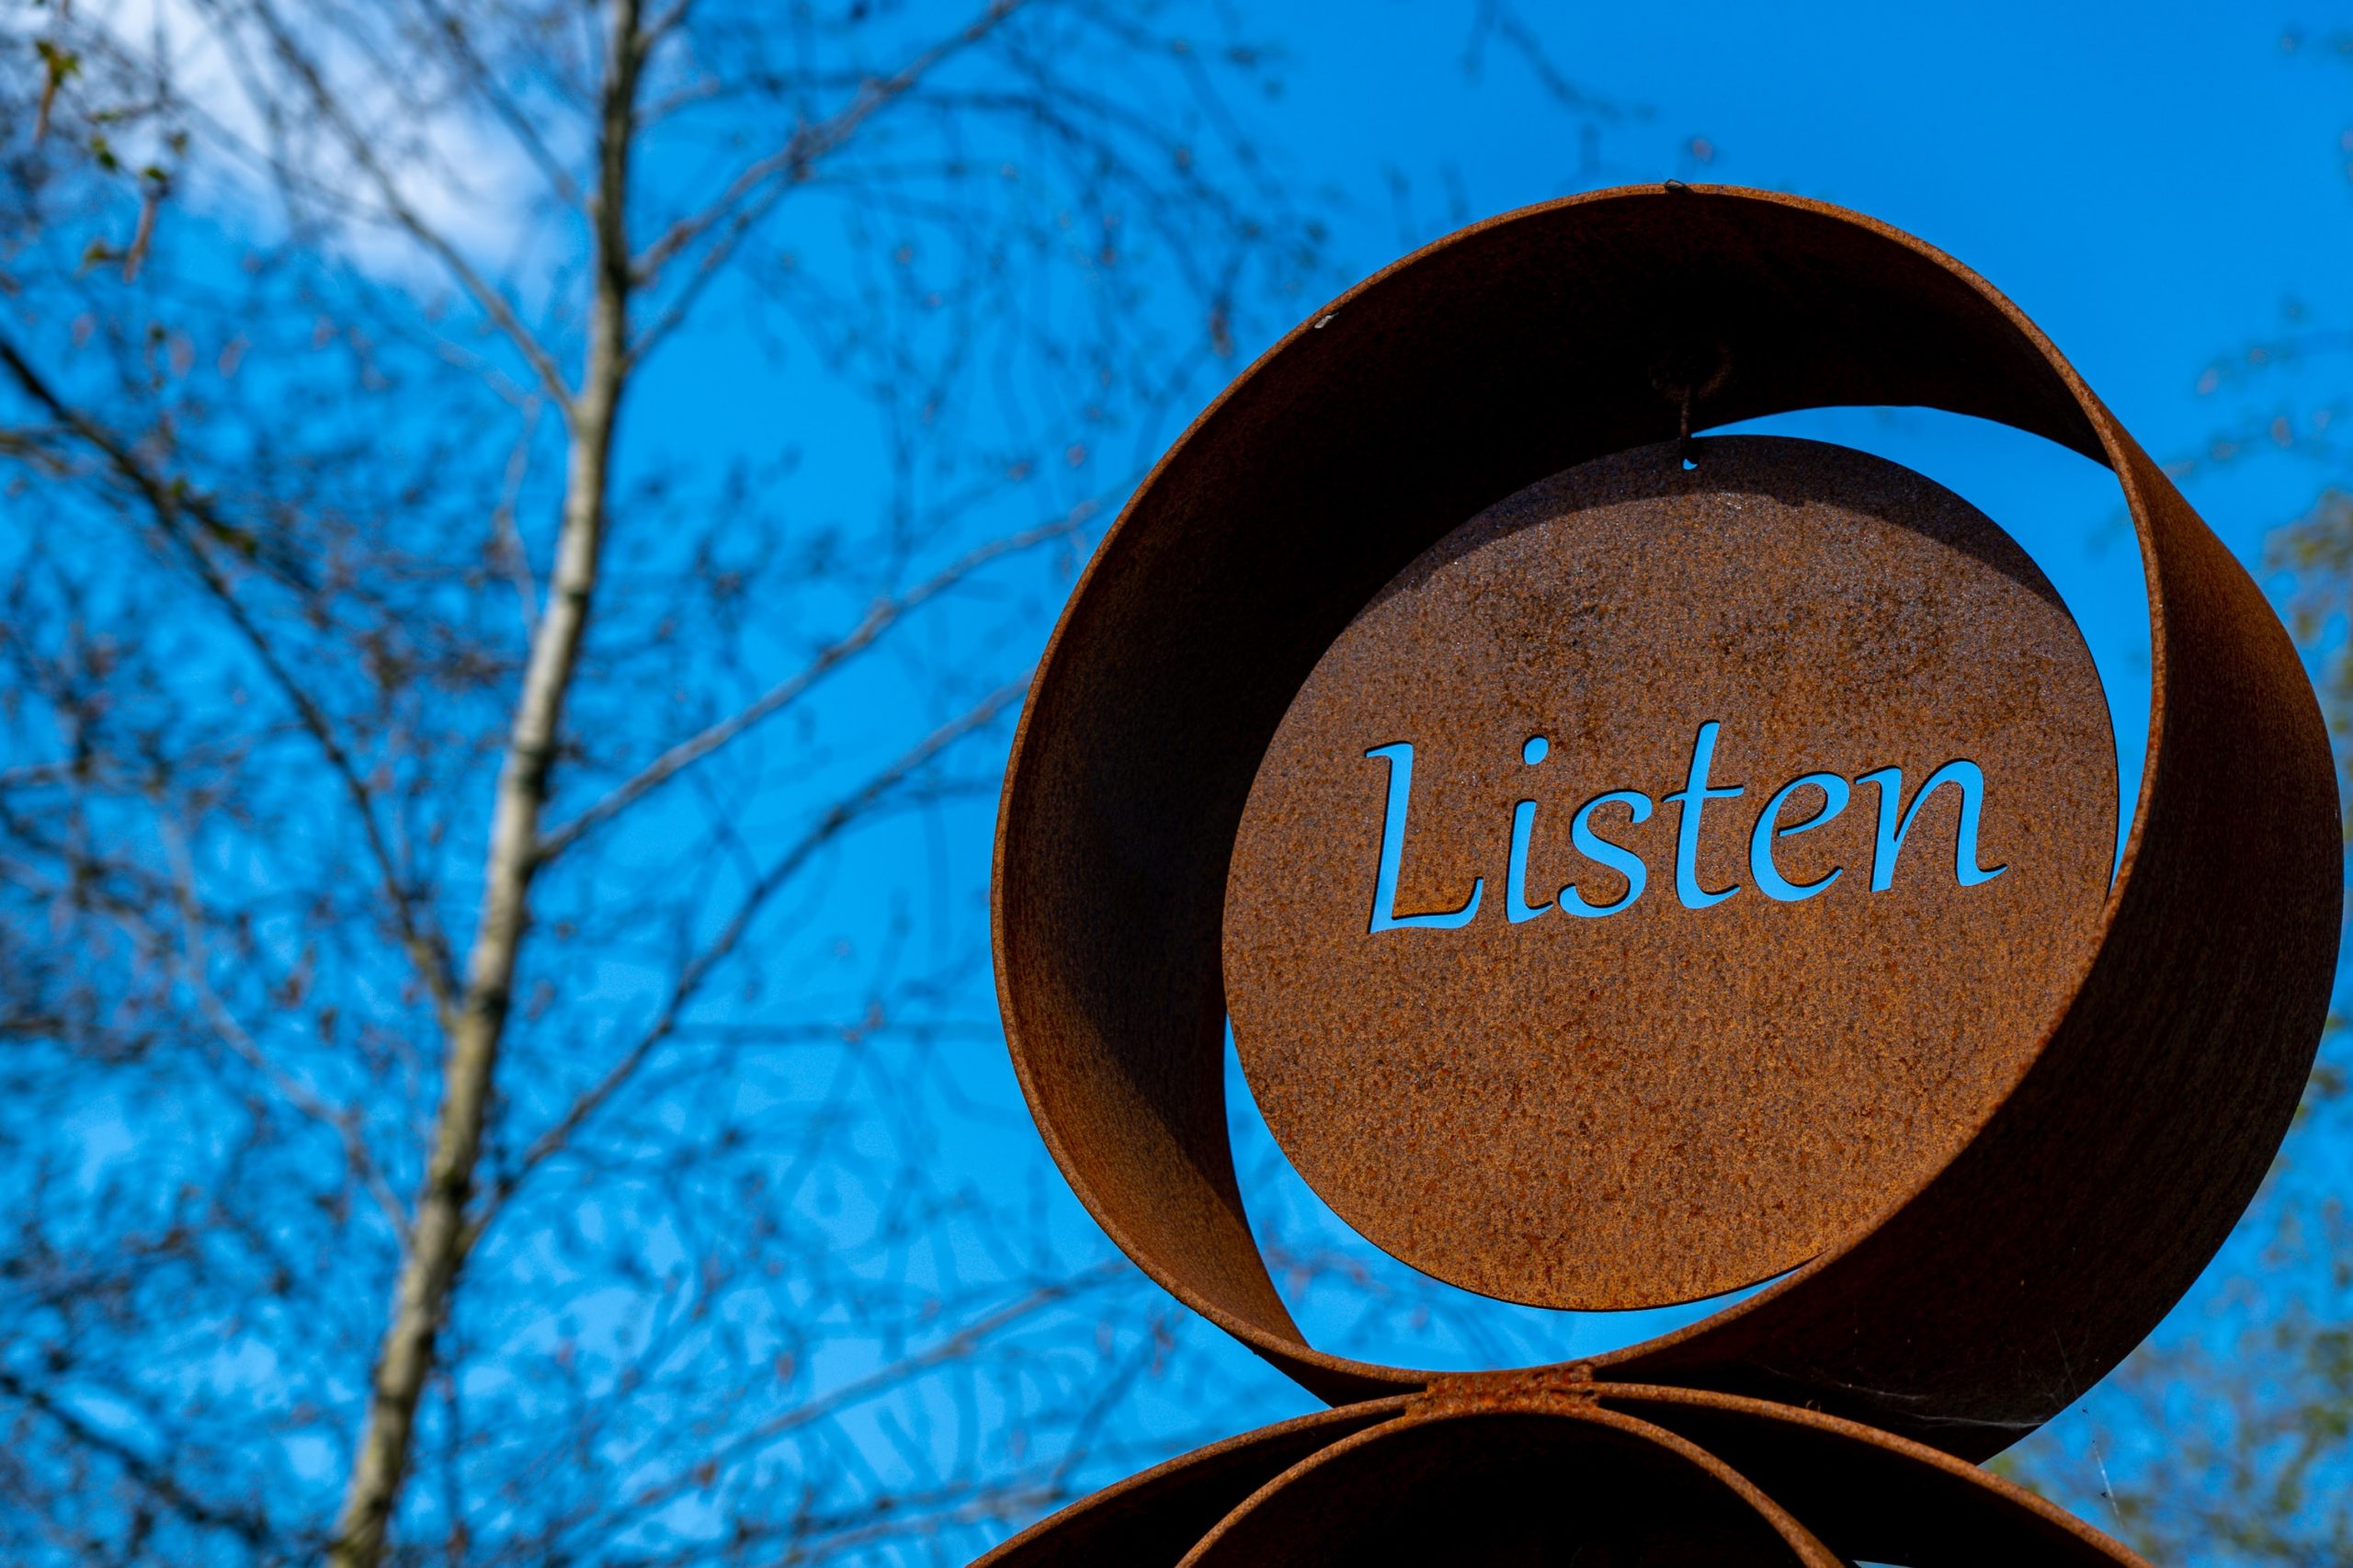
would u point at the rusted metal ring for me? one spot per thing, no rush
(1162, 1511)
(1819, 1483)
(1509, 1484)
(1992, 1292)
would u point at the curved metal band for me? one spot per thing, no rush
(1159, 1514)
(1987, 1298)
(1863, 1495)
(1509, 1486)
(1870, 1496)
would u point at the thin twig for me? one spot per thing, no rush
(193, 966)
(170, 500)
(506, 537)
(357, 143)
(884, 614)
(698, 970)
(810, 143)
(252, 1528)
(832, 1403)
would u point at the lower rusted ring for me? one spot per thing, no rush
(1822, 1489)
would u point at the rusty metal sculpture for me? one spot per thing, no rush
(1987, 1125)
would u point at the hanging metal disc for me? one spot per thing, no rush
(1668, 871)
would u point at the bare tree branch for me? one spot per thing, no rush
(170, 501)
(698, 971)
(880, 618)
(860, 1391)
(192, 967)
(809, 143)
(493, 304)
(153, 1478)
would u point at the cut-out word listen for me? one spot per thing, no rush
(1895, 820)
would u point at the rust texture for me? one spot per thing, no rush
(1533, 1488)
(1669, 1102)
(1156, 1517)
(2100, 1092)
(1510, 1468)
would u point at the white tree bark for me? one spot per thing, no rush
(436, 1252)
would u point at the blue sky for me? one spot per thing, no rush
(2160, 186)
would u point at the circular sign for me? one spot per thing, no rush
(1668, 871)
(1888, 1016)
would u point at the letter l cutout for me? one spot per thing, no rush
(1400, 758)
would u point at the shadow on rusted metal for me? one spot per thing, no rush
(1474, 1474)
(1956, 1294)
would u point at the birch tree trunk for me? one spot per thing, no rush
(436, 1247)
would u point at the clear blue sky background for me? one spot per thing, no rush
(2158, 185)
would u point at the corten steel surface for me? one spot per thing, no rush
(1669, 1102)
(1512, 1487)
(1479, 1480)
(1870, 1496)
(1156, 1516)
(1987, 1290)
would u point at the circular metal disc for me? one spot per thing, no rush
(1672, 1049)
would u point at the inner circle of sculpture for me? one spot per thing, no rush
(1690, 861)
(1649, 879)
